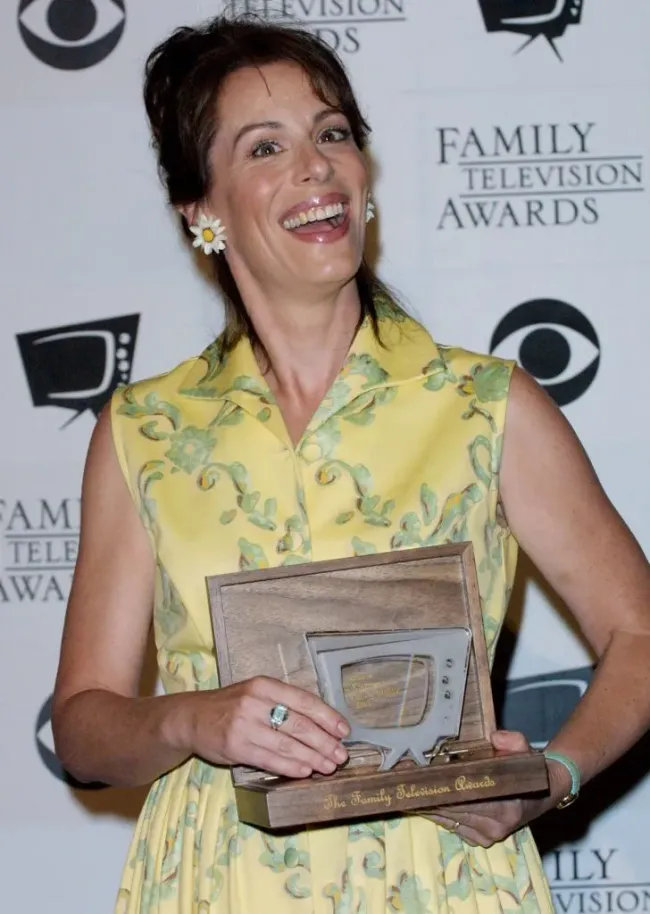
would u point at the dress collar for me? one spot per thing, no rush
(403, 352)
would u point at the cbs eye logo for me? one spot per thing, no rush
(71, 34)
(552, 341)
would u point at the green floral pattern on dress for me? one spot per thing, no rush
(343, 897)
(409, 896)
(404, 451)
(286, 856)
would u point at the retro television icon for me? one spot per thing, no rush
(547, 18)
(401, 692)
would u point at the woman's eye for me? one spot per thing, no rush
(264, 148)
(336, 134)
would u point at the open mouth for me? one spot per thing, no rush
(317, 218)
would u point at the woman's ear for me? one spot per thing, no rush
(190, 212)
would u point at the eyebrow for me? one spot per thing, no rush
(322, 115)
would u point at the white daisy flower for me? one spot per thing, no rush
(210, 235)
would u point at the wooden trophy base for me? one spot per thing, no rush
(395, 642)
(356, 793)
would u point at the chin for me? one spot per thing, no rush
(337, 279)
(338, 271)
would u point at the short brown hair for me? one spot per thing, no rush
(183, 77)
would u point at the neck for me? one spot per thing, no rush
(306, 342)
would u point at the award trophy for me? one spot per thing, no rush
(395, 643)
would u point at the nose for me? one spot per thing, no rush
(314, 166)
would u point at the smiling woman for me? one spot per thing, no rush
(233, 108)
(323, 423)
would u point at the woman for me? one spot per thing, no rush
(323, 423)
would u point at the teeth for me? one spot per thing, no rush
(315, 214)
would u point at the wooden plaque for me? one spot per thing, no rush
(359, 632)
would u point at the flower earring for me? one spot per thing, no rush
(210, 235)
(370, 210)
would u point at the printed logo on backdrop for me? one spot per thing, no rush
(582, 879)
(45, 749)
(77, 367)
(589, 880)
(554, 342)
(340, 23)
(547, 19)
(532, 176)
(39, 544)
(71, 34)
(538, 706)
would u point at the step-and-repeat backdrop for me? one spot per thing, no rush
(510, 144)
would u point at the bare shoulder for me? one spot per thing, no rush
(543, 458)
(110, 520)
(561, 515)
(104, 486)
(529, 407)
(101, 449)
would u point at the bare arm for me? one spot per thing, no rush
(562, 518)
(102, 730)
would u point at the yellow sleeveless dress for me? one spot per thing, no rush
(403, 451)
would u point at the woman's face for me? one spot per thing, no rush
(289, 183)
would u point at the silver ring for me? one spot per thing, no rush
(278, 715)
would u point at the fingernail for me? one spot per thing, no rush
(340, 754)
(329, 766)
(305, 772)
(343, 729)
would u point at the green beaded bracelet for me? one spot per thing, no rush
(573, 770)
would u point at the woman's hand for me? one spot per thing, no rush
(231, 726)
(486, 822)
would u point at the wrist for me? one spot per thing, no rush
(564, 778)
(176, 725)
(559, 781)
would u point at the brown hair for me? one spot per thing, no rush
(183, 77)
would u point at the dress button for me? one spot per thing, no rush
(310, 451)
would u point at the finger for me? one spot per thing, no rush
(457, 823)
(267, 760)
(304, 730)
(494, 820)
(473, 837)
(306, 703)
(464, 831)
(510, 741)
(496, 823)
(499, 809)
(449, 824)
(282, 745)
(307, 732)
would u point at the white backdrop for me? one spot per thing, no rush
(503, 178)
